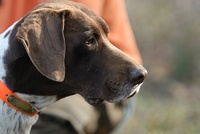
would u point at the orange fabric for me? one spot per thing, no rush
(13, 10)
(112, 11)
(5, 93)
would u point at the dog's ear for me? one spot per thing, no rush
(42, 34)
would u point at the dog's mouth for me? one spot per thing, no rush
(98, 101)
(136, 89)
(94, 101)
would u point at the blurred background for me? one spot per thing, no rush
(167, 34)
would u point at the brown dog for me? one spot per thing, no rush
(61, 48)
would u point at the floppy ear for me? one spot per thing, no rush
(42, 34)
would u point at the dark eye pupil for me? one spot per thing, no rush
(89, 42)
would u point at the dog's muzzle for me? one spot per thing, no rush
(134, 82)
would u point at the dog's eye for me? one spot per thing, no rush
(90, 42)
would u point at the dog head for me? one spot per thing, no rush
(69, 52)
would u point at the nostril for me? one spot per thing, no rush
(137, 75)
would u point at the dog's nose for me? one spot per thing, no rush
(137, 76)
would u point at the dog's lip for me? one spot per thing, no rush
(94, 101)
(97, 101)
(136, 89)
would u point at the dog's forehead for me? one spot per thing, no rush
(91, 19)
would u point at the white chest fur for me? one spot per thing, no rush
(14, 122)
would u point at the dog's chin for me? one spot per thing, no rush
(98, 101)
(134, 90)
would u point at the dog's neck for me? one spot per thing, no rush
(12, 121)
